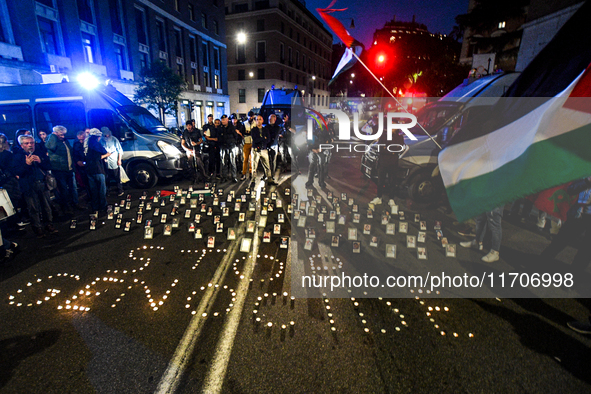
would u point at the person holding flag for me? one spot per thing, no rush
(534, 138)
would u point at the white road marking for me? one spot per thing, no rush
(184, 351)
(214, 379)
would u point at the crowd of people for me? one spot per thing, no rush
(33, 169)
(230, 147)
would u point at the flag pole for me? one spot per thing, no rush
(395, 99)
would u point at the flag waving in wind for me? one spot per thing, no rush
(354, 47)
(536, 137)
(337, 26)
(347, 61)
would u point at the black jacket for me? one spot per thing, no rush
(213, 134)
(227, 136)
(240, 127)
(260, 137)
(28, 174)
(274, 130)
(396, 139)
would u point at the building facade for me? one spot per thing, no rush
(411, 60)
(275, 43)
(544, 19)
(48, 41)
(492, 38)
(511, 37)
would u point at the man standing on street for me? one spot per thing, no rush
(227, 140)
(246, 149)
(31, 170)
(316, 157)
(61, 158)
(260, 140)
(209, 131)
(95, 154)
(493, 221)
(273, 145)
(80, 161)
(113, 146)
(387, 165)
(240, 131)
(191, 142)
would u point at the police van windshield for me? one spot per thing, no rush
(139, 116)
(433, 117)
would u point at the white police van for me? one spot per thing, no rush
(150, 152)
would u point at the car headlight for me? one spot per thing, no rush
(168, 149)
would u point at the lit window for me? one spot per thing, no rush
(502, 25)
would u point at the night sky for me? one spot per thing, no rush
(438, 15)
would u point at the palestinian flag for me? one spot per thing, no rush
(347, 61)
(536, 138)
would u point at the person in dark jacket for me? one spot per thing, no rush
(31, 170)
(61, 157)
(316, 157)
(191, 141)
(16, 147)
(213, 153)
(95, 170)
(9, 182)
(387, 163)
(260, 140)
(227, 140)
(80, 161)
(241, 132)
(40, 145)
(273, 145)
(287, 147)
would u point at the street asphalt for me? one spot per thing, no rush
(106, 310)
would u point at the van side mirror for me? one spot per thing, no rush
(125, 133)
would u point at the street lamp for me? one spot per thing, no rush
(241, 38)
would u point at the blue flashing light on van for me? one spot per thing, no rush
(149, 151)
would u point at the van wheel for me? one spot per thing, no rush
(421, 188)
(143, 176)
